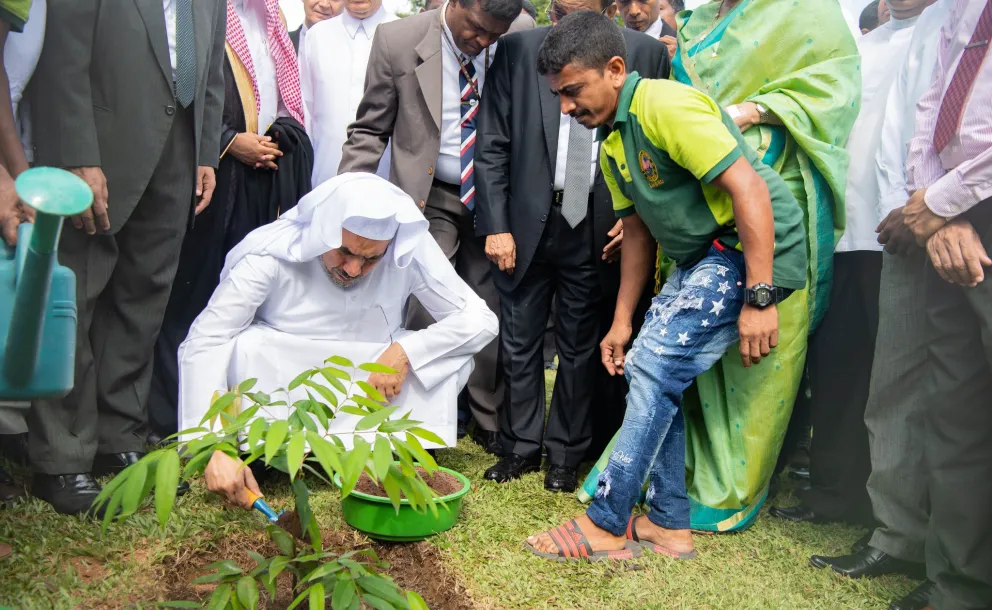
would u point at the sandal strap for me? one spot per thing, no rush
(579, 538)
(631, 530)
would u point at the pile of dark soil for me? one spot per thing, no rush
(441, 482)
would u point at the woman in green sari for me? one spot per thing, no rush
(788, 72)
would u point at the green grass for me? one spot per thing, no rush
(63, 562)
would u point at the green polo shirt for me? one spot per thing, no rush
(15, 12)
(667, 144)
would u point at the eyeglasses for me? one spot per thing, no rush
(555, 12)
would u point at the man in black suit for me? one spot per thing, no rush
(547, 217)
(315, 11)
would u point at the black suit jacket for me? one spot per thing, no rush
(517, 145)
(294, 37)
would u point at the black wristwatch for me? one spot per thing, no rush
(762, 295)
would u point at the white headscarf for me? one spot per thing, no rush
(364, 204)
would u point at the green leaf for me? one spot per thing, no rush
(313, 531)
(277, 565)
(298, 380)
(306, 419)
(371, 391)
(341, 361)
(325, 452)
(246, 385)
(375, 367)
(377, 602)
(222, 402)
(302, 501)
(355, 464)
(248, 592)
(111, 510)
(344, 594)
(317, 597)
(427, 435)
(255, 432)
(368, 403)
(392, 488)
(372, 420)
(294, 454)
(380, 587)
(324, 391)
(198, 463)
(274, 438)
(320, 412)
(416, 602)
(225, 567)
(220, 598)
(334, 376)
(260, 398)
(382, 456)
(397, 425)
(284, 542)
(350, 410)
(299, 598)
(166, 480)
(132, 489)
(420, 453)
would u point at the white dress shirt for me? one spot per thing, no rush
(332, 80)
(900, 114)
(449, 161)
(20, 57)
(564, 128)
(655, 30)
(302, 41)
(169, 6)
(883, 51)
(252, 15)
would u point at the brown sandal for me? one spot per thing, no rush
(574, 546)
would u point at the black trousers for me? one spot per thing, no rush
(958, 447)
(563, 267)
(840, 362)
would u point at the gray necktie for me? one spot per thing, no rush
(185, 53)
(575, 198)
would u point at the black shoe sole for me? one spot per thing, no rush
(520, 473)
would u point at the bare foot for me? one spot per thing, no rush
(599, 539)
(678, 541)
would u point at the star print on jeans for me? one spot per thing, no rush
(718, 306)
(704, 323)
(724, 287)
(659, 351)
(663, 332)
(721, 270)
(683, 338)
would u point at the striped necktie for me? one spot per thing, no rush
(185, 53)
(470, 110)
(949, 116)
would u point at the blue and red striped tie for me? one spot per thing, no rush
(470, 110)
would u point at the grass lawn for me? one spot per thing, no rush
(63, 562)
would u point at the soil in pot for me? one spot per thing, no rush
(441, 482)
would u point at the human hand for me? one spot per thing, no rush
(206, 182)
(10, 216)
(745, 115)
(672, 45)
(255, 151)
(96, 218)
(758, 329)
(612, 347)
(611, 253)
(390, 385)
(895, 235)
(958, 255)
(232, 479)
(919, 219)
(502, 251)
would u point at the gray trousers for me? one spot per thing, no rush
(959, 442)
(452, 225)
(123, 283)
(897, 402)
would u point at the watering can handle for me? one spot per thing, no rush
(24, 233)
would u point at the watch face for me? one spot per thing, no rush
(762, 296)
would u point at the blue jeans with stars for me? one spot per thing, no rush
(688, 329)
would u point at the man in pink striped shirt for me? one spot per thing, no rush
(949, 168)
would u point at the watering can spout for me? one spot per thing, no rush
(53, 194)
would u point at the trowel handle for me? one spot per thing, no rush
(262, 506)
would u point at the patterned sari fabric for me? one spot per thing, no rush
(801, 62)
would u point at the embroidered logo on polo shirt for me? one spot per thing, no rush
(649, 169)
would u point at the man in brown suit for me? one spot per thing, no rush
(422, 91)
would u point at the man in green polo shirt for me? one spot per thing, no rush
(680, 173)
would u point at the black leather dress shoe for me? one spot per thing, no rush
(917, 599)
(511, 467)
(488, 441)
(869, 563)
(462, 430)
(114, 463)
(861, 543)
(69, 494)
(10, 492)
(155, 439)
(797, 514)
(561, 478)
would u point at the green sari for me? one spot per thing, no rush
(801, 62)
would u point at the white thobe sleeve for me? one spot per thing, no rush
(205, 355)
(464, 323)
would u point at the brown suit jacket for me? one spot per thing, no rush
(402, 102)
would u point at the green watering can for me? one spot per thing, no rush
(37, 295)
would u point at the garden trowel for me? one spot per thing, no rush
(287, 520)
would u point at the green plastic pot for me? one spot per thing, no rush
(377, 518)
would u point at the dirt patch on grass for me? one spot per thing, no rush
(88, 569)
(414, 566)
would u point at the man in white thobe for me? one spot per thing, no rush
(841, 352)
(332, 277)
(333, 60)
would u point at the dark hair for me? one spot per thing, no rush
(869, 17)
(529, 9)
(583, 37)
(504, 10)
(677, 5)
